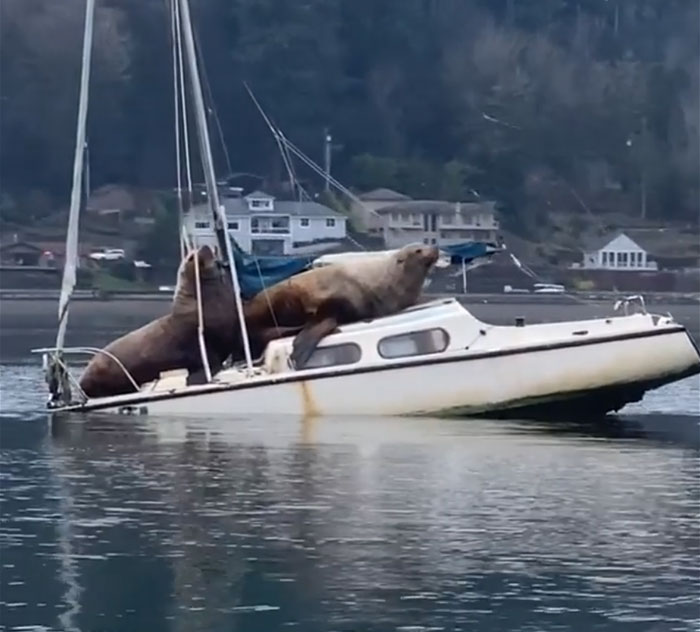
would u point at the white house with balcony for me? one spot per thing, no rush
(263, 225)
(619, 252)
(438, 222)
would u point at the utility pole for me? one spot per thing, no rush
(327, 139)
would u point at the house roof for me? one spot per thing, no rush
(438, 206)
(111, 197)
(260, 195)
(19, 245)
(383, 195)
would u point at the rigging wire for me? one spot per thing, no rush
(211, 107)
(275, 133)
(178, 166)
(183, 99)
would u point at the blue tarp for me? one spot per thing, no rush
(258, 272)
(469, 250)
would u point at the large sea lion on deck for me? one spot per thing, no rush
(171, 342)
(315, 302)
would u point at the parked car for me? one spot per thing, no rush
(549, 288)
(108, 254)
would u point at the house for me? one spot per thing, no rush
(21, 253)
(617, 252)
(365, 214)
(438, 222)
(44, 254)
(114, 203)
(263, 225)
(111, 199)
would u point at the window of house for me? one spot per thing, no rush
(280, 223)
(414, 343)
(330, 222)
(233, 225)
(334, 355)
(304, 221)
(201, 224)
(621, 259)
(605, 258)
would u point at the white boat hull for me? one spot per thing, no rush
(574, 373)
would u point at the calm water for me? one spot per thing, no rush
(369, 524)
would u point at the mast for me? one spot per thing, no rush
(209, 177)
(70, 265)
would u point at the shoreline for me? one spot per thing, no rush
(504, 298)
(30, 323)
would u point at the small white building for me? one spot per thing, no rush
(438, 222)
(262, 225)
(618, 252)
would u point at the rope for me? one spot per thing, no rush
(200, 319)
(539, 279)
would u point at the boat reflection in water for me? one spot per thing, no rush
(375, 523)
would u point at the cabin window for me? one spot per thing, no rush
(605, 258)
(334, 355)
(621, 259)
(304, 222)
(414, 343)
(201, 224)
(233, 225)
(330, 222)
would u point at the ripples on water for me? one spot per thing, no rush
(339, 524)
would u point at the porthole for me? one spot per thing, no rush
(414, 343)
(334, 355)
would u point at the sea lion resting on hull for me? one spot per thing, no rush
(170, 342)
(315, 302)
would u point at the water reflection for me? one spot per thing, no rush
(372, 524)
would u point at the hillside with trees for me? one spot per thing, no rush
(580, 106)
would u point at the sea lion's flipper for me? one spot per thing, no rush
(331, 313)
(307, 340)
(198, 375)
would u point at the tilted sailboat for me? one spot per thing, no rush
(433, 358)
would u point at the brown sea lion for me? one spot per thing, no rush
(315, 302)
(170, 342)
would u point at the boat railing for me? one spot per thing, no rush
(93, 351)
(626, 301)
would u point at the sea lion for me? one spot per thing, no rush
(171, 342)
(316, 301)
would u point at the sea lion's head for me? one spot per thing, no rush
(213, 276)
(417, 258)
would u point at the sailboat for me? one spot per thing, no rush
(434, 358)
